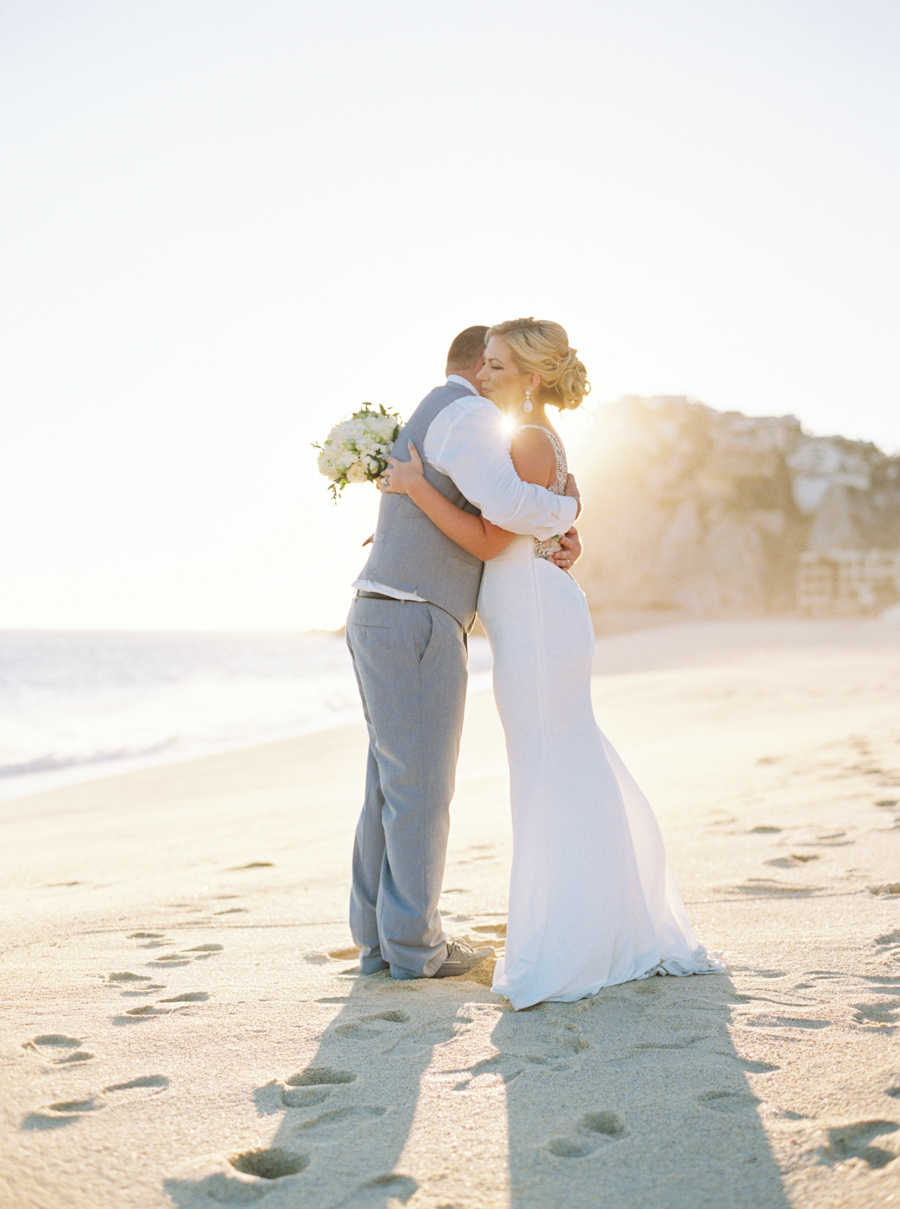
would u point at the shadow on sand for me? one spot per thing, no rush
(635, 1098)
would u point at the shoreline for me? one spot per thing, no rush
(670, 646)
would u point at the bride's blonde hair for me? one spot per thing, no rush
(542, 347)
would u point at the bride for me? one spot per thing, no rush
(592, 901)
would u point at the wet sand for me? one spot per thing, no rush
(182, 1023)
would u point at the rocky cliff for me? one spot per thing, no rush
(695, 512)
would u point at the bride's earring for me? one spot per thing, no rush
(529, 406)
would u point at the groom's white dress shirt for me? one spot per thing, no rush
(465, 441)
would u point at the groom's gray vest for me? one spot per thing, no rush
(409, 552)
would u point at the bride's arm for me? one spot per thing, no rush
(534, 462)
(475, 534)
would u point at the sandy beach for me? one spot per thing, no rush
(183, 1023)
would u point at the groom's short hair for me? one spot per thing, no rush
(466, 349)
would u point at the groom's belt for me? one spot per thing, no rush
(381, 596)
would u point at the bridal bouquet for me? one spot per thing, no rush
(356, 450)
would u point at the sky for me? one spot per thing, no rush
(224, 224)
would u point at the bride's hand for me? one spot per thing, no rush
(398, 476)
(569, 550)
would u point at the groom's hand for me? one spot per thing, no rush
(572, 490)
(570, 551)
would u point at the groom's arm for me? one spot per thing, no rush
(465, 441)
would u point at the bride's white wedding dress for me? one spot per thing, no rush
(592, 901)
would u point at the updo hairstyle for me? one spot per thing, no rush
(542, 347)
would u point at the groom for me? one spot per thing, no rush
(415, 602)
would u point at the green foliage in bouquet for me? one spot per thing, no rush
(357, 450)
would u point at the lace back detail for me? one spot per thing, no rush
(544, 549)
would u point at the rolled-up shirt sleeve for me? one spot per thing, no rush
(467, 443)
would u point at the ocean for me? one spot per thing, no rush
(85, 704)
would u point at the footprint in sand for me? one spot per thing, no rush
(888, 939)
(495, 1071)
(57, 1116)
(135, 1015)
(678, 1043)
(476, 852)
(766, 887)
(185, 956)
(270, 1164)
(355, 1032)
(593, 1130)
(64, 1112)
(491, 929)
(853, 1142)
(304, 1090)
(303, 1097)
(309, 1088)
(754, 1068)
(767, 1021)
(647, 986)
(345, 954)
(177, 1003)
(153, 940)
(792, 861)
(384, 1190)
(729, 1101)
(883, 1013)
(242, 1178)
(571, 1039)
(247, 1177)
(426, 1034)
(830, 839)
(58, 1049)
(321, 1076)
(132, 985)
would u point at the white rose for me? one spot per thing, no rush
(356, 473)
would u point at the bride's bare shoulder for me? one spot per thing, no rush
(533, 456)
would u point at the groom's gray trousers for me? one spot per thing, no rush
(410, 662)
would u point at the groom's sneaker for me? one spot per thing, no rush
(460, 959)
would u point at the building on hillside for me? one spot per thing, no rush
(847, 581)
